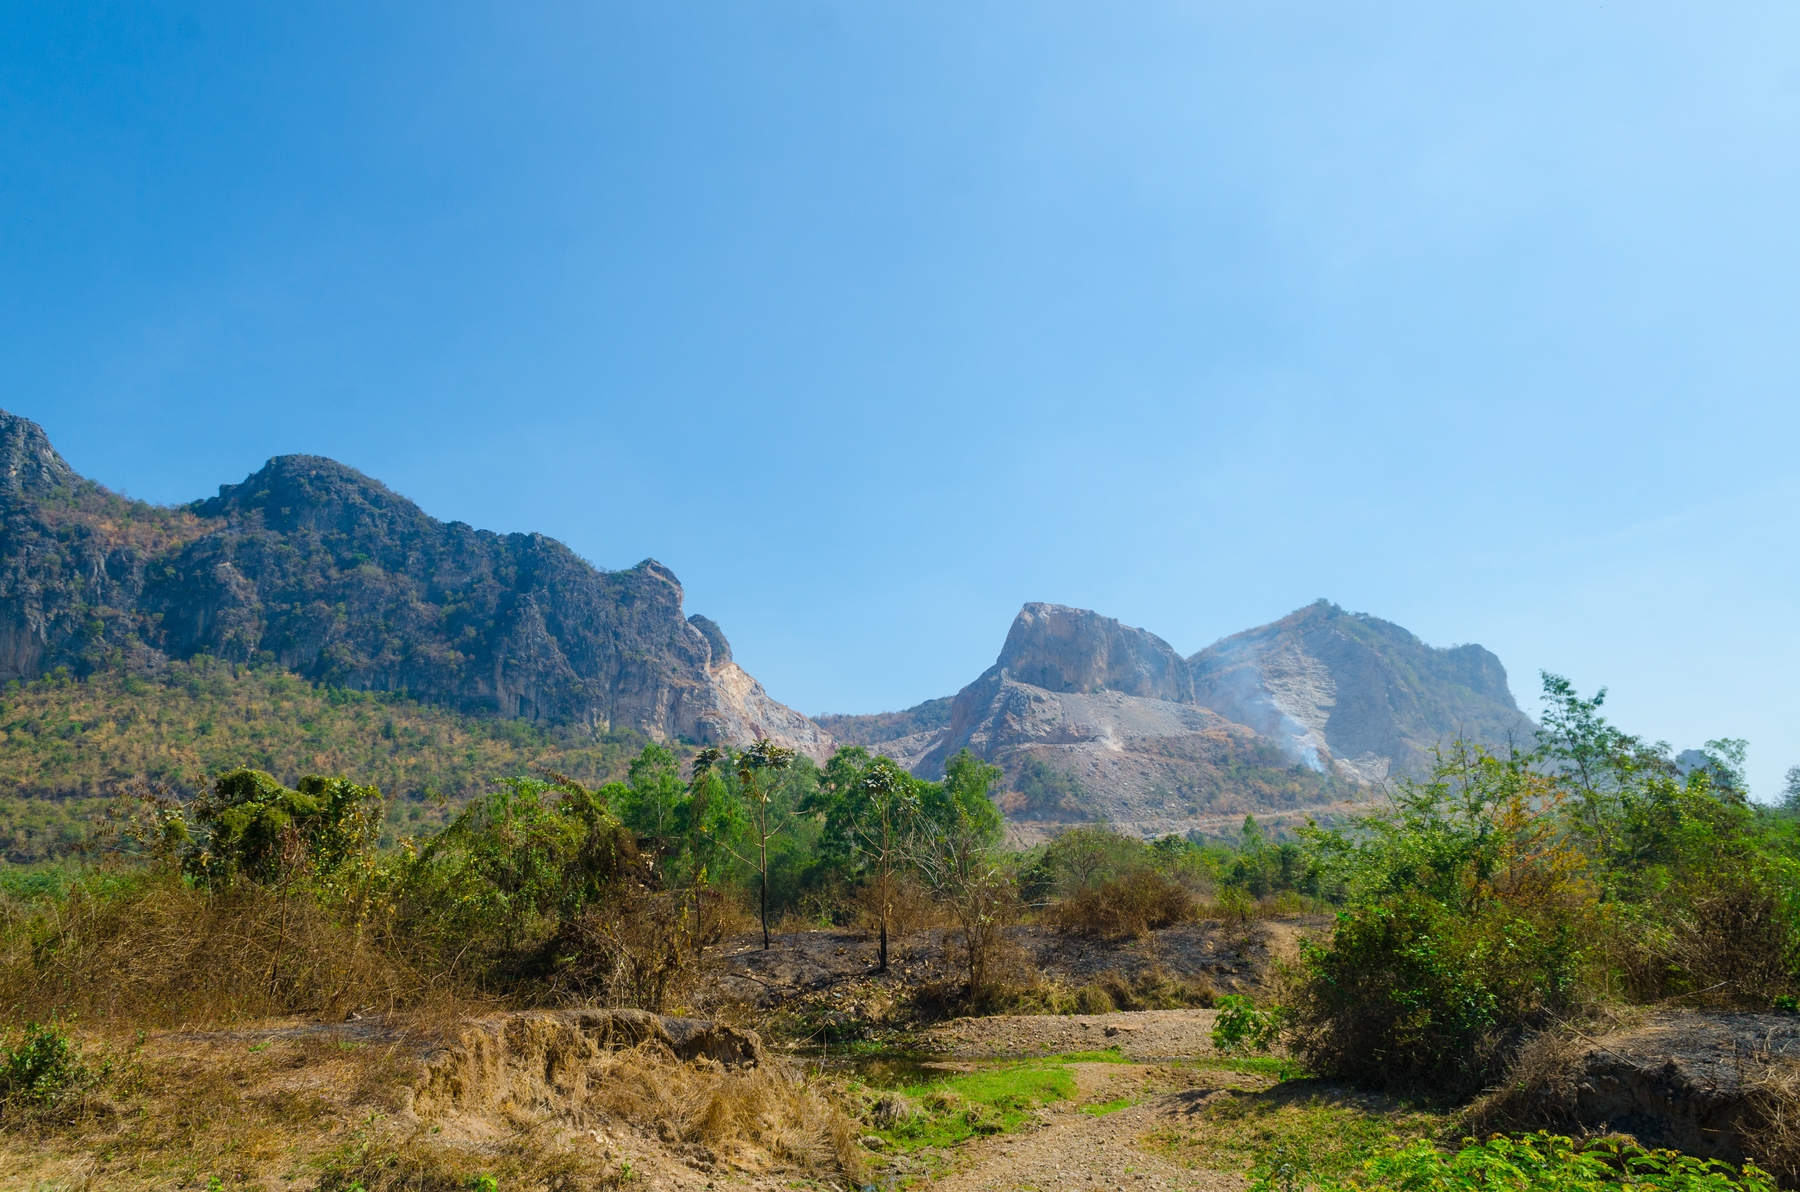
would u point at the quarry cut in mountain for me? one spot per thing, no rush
(1094, 719)
(313, 566)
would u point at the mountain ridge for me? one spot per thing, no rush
(1308, 711)
(310, 564)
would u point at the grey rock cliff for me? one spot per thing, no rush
(1093, 719)
(1071, 649)
(315, 566)
(1356, 693)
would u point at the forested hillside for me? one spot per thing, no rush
(69, 745)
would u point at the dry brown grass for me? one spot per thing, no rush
(287, 1103)
(154, 951)
(1133, 905)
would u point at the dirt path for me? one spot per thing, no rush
(1143, 1035)
(1073, 1151)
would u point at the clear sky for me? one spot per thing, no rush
(874, 321)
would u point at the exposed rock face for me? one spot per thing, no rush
(1356, 692)
(1071, 649)
(315, 566)
(1094, 719)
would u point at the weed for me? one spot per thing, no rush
(1535, 1161)
(1242, 1027)
(993, 1101)
(1106, 1107)
(1325, 1132)
(40, 1067)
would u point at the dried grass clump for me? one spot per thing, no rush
(1540, 1087)
(1133, 905)
(1773, 1094)
(143, 945)
(580, 1070)
(1156, 989)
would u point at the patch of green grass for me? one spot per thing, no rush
(993, 1101)
(1112, 1055)
(1106, 1107)
(1326, 1132)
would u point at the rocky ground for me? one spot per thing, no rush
(1143, 1035)
(1069, 1149)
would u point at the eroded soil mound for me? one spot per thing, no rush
(1723, 1086)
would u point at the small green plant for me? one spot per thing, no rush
(1240, 1026)
(489, 1183)
(1549, 1162)
(1786, 1003)
(41, 1067)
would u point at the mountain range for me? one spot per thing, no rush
(315, 568)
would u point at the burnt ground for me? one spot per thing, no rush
(1721, 1085)
(823, 985)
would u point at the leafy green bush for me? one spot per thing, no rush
(1536, 1161)
(1240, 1026)
(250, 824)
(40, 1066)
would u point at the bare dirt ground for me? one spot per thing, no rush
(1143, 1035)
(823, 986)
(1072, 1146)
(1076, 1150)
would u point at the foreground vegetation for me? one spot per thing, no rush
(1498, 900)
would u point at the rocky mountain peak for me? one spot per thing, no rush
(28, 463)
(715, 638)
(1074, 650)
(311, 492)
(313, 566)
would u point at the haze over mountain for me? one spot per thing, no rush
(1095, 719)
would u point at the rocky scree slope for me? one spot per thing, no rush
(313, 566)
(1094, 719)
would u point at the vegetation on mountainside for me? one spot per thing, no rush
(874, 728)
(67, 745)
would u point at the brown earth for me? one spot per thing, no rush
(1143, 1035)
(1068, 1149)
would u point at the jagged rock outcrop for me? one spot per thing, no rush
(316, 567)
(1094, 719)
(1073, 650)
(1357, 693)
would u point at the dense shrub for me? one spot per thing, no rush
(1132, 905)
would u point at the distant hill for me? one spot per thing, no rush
(885, 726)
(314, 568)
(1093, 719)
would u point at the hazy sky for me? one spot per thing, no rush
(874, 321)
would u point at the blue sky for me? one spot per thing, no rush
(875, 321)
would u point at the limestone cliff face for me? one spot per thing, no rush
(1356, 693)
(1094, 719)
(315, 566)
(1071, 649)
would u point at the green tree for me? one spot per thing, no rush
(654, 802)
(955, 851)
(756, 815)
(871, 808)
